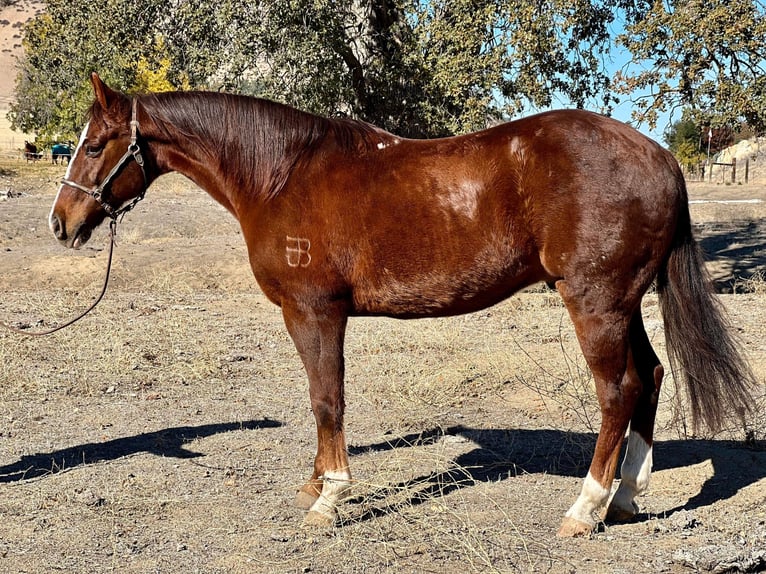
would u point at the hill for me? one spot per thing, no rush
(12, 19)
(750, 153)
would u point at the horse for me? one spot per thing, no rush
(30, 152)
(344, 219)
(62, 152)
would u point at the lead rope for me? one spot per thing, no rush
(112, 234)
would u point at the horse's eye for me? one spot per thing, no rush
(92, 150)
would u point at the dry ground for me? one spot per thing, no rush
(169, 430)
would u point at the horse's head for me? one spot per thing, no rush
(106, 174)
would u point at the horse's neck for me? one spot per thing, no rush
(253, 163)
(181, 155)
(233, 167)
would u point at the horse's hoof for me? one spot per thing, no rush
(572, 528)
(617, 513)
(314, 519)
(304, 500)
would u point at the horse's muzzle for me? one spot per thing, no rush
(57, 227)
(78, 237)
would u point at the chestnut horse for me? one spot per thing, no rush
(344, 219)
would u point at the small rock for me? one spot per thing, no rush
(683, 520)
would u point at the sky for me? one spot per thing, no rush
(621, 59)
(623, 110)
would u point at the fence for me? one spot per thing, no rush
(733, 166)
(11, 141)
(14, 149)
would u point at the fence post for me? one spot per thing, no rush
(747, 168)
(734, 170)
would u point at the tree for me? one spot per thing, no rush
(684, 139)
(681, 132)
(706, 55)
(64, 44)
(415, 67)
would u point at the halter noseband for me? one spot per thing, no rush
(133, 152)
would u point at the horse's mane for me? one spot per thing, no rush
(255, 142)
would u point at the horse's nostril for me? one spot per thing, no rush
(57, 227)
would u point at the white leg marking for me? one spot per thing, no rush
(592, 497)
(68, 170)
(334, 484)
(636, 469)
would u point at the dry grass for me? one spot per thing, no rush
(122, 359)
(755, 284)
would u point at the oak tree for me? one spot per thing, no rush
(418, 68)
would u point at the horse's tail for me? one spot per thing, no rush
(700, 347)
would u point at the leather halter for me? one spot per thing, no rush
(133, 153)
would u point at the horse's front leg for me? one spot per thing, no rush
(318, 335)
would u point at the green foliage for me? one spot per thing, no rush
(684, 139)
(682, 132)
(64, 45)
(418, 68)
(707, 55)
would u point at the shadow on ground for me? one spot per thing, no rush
(503, 454)
(166, 443)
(499, 454)
(738, 249)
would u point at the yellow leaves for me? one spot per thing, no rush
(688, 154)
(36, 31)
(154, 76)
(153, 79)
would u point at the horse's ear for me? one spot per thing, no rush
(104, 94)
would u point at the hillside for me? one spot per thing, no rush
(751, 152)
(12, 18)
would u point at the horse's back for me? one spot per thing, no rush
(561, 188)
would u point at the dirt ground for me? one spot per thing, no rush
(168, 431)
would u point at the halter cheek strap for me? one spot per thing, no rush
(132, 153)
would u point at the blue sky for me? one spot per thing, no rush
(620, 59)
(623, 110)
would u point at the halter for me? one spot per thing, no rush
(133, 153)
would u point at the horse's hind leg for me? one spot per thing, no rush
(637, 465)
(602, 326)
(319, 340)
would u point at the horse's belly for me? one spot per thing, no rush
(441, 292)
